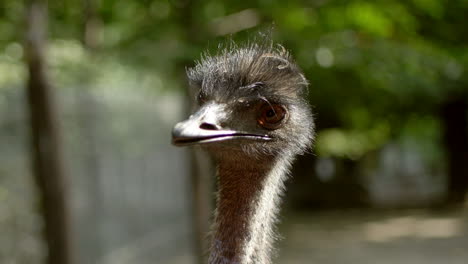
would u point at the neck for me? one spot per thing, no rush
(247, 206)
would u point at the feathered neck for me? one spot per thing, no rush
(247, 205)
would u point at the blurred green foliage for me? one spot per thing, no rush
(378, 69)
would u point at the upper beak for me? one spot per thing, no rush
(204, 127)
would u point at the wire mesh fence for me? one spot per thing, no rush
(128, 185)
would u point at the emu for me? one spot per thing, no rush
(253, 119)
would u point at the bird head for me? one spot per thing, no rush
(250, 103)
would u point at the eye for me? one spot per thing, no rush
(271, 116)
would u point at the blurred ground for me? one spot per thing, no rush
(375, 237)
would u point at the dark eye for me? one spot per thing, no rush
(271, 116)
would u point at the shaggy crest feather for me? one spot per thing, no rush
(237, 71)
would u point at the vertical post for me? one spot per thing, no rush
(202, 178)
(88, 110)
(45, 139)
(454, 117)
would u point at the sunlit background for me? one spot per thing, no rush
(385, 182)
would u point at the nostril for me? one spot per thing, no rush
(209, 126)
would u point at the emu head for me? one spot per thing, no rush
(250, 105)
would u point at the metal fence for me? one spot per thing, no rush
(128, 186)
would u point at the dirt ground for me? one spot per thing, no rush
(375, 237)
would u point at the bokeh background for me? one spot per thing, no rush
(385, 182)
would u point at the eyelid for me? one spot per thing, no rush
(249, 101)
(258, 100)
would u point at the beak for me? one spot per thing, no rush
(204, 127)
